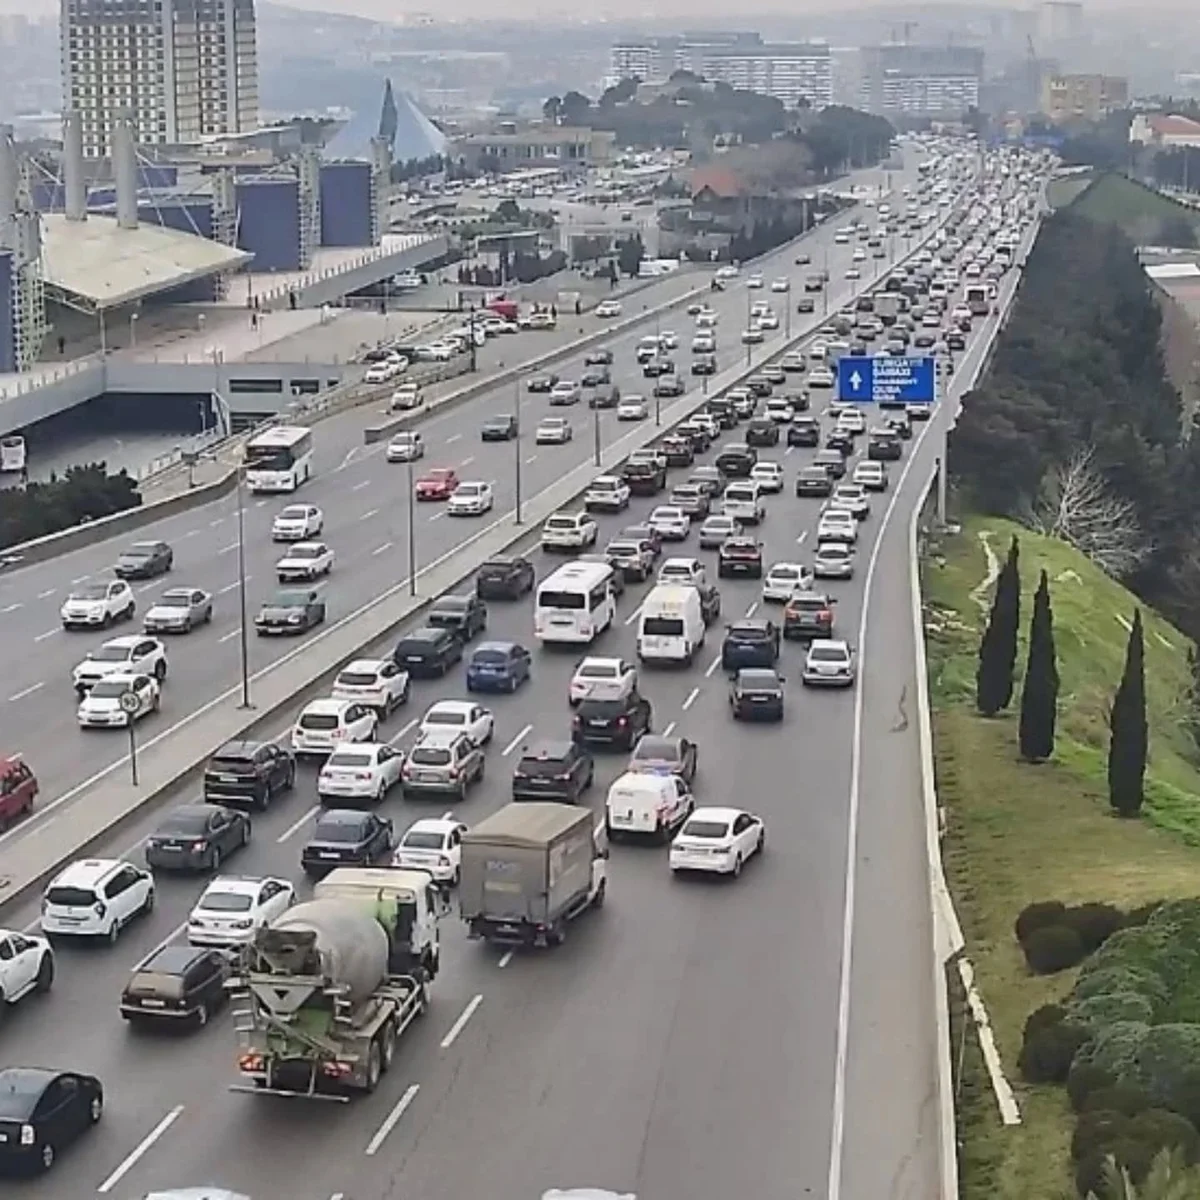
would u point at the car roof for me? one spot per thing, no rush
(87, 872)
(450, 706)
(435, 825)
(829, 644)
(326, 704)
(172, 959)
(127, 640)
(728, 815)
(248, 884)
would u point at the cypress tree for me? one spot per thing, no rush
(1039, 697)
(1127, 746)
(998, 647)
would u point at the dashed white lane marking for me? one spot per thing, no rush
(230, 548)
(374, 512)
(403, 732)
(10, 608)
(218, 521)
(381, 549)
(531, 459)
(670, 729)
(41, 637)
(691, 698)
(225, 637)
(295, 827)
(80, 579)
(230, 587)
(466, 462)
(459, 1025)
(752, 610)
(36, 687)
(140, 1150)
(516, 741)
(800, 539)
(358, 487)
(454, 437)
(633, 616)
(392, 1120)
(712, 667)
(505, 959)
(46, 594)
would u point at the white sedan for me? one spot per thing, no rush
(829, 663)
(104, 706)
(232, 907)
(470, 500)
(465, 716)
(598, 678)
(670, 522)
(779, 410)
(783, 580)
(608, 308)
(553, 431)
(780, 285)
(821, 377)
(753, 335)
(366, 771)
(632, 408)
(432, 844)
(853, 273)
(755, 281)
(837, 525)
(718, 841)
(768, 476)
(305, 562)
(297, 522)
(406, 446)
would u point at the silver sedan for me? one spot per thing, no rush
(179, 610)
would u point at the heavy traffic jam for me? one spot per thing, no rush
(494, 773)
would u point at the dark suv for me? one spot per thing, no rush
(618, 723)
(245, 772)
(465, 616)
(553, 771)
(504, 578)
(750, 644)
(428, 652)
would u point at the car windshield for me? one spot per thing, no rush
(602, 708)
(339, 828)
(786, 572)
(350, 758)
(93, 591)
(831, 654)
(497, 566)
(110, 689)
(453, 606)
(111, 654)
(184, 823)
(699, 828)
(356, 679)
(226, 902)
(429, 756)
(809, 603)
(758, 681)
(141, 550)
(656, 749)
(719, 523)
(747, 633)
(561, 523)
(598, 671)
(833, 551)
(420, 839)
(622, 548)
(470, 489)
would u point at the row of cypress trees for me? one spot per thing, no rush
(995, 683)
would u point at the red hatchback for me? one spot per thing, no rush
(437, 484)
(18, 789)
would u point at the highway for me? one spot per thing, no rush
(362, 497)
(680, 1046)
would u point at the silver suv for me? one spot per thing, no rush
(443, 762)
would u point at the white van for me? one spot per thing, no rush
(743, 501)
(670, 625)
(647, 805)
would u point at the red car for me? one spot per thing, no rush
(18, 789)
(437, 484)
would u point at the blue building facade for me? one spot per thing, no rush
(268, 222)
(8, 300)
(346, 208)
(50, 195)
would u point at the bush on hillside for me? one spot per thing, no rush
(1096, 1012)
(1037, 916)
(1094, 923)
(1120, 1098)
(83, 494)
(1053, 948)
(1133, 1142)
(1049, 1046)
(1083, 1080)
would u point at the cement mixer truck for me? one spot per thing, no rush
(324, 992)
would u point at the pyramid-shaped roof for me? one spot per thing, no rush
(416, 135)
(397, 121)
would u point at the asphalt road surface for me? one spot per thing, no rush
(363, 500)
(680, 1046)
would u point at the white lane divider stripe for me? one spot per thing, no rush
(691, 698)
(140, 1150)
(404, 731)
(516, 741)
(35, 687)
(505, 959)
(712, 667)
(295, 827)
(392, 1119)
(459, 1025)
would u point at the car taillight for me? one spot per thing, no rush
(622, 721)
(362, 776)
(577, 721)
(99, 909)
(824, 614)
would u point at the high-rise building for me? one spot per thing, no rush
(905, 80)
(1086, 97)
(183, 69)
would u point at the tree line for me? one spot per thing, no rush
(81, 494)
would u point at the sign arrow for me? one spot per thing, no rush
(856, 381)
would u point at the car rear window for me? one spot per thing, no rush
(320, 721)
(70, 897)
(542, 768)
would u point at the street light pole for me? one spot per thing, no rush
(517, 444)
(243, 632)
(748, 307)
(474, 348)
(596, 435)
(412, 531)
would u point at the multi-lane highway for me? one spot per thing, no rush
(363, 500)
(682, 1045)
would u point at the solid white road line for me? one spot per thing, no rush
(459, 1025)
(297, 825)
(36, 687)
(392, 1119)
(691, 698)
(516, 741)
(140, 1150)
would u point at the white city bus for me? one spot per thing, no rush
(12, 453)
(279, 459)
(575, 604)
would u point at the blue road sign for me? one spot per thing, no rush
(867, 379)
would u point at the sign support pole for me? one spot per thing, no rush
(944, 447)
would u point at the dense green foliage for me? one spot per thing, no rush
(998, 647)
(83, 494)
(1129, 739)
(1039, 696)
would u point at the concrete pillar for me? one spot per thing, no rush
(125, 175)
(10, 179)
(74, 187)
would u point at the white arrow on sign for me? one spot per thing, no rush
(856, 381)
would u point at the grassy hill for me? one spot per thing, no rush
(1018, 833)
(1139, 210)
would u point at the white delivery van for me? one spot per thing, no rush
(671, 625)
(743, 501)
(647, 805)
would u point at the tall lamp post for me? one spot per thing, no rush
(748, 307)
(243, 625)
(412, 529)
(517, 445)
(596, 435)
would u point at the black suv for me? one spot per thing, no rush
(750, 644)
(645, 478)
(804, 430)
(756, 694)
(883, 445)
(465, 616)
(616, 723)
(428, 652)
(553, 771)
(504, 578)
(244, 772)
(762, 431)
(736, 460)
(739, 556)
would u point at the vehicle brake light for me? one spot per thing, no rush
(250, 1062)
(99, 909)
(622, 721)
(824, 614)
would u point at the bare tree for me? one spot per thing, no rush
(1077, 506)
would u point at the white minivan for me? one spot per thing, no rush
(647, 806)
(743, 501)
(670, 625)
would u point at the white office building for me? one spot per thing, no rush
(184, 69)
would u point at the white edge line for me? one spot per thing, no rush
(459, 1025)
(392, 1119)
(140, 1150)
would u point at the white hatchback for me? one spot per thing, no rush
(96, 898)
(768, 476)
(324, 725)
(364, 771)
(432, 844)
(232, 907)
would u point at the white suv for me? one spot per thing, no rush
(325, 725)
(98, 604)
(96, 898)
(569, 531)
(132, 655)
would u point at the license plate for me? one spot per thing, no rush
(172, 846)
(227, 779)
(414, 658)
(428, 776)
(154, 1004)
(600, 724)
(328, 854)
(509, 928)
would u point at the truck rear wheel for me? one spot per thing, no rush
(374, 1066)
(387, 1047)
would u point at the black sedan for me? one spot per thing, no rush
(56, 1107)
(542, 384)
(756, 694)
(144, 560)
(197, 837)
(465, 616)
(805, 304)
(499, 429)
(658, 755)
(290, 611)
(504, 578)
(346, 837)
(596, 377)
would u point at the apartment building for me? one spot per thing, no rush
(184, 69)
(921, 81)
(1082, 97)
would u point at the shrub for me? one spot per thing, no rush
(1102, 976)
(1084, 1079)
(1094, 923)
(1125, 1098)
(1048, 1051)
(1052, 948)
(1097, 1132)
(83, 493)
(1090, 1176)
(1109, 1008)
(1160, 1129)
(1167, 1062)
(1037, 916)
(1140, 915)
(1043, 1017)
